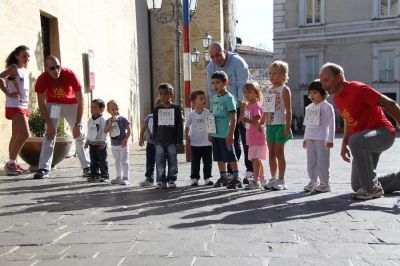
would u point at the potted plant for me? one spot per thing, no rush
(30, 152)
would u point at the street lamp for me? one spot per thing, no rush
(154, 5)
(195, 54)
(207, 40)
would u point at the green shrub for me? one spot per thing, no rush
(37, 125)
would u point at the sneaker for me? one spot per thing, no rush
(161, 185)
(125, 182)
(95, 179)
(105, 176)
(322, 188)
(195, 182)
(253, 184)
(270, 184)
(249, 175)
(208, 182)
(263, 184)
(280, 185)
(362, 194)
(221, 182)
(116, 181)
(171, 184)
(41, 173)
(233, 183)
(11, 169)
(146, 183)
(310, 187)
(86, 172)
(23, 171)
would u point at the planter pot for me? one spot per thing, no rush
(30, 152)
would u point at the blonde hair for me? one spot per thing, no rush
(253, 86)
(112, 102)
(282, 66)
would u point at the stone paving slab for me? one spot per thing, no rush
(64, 220)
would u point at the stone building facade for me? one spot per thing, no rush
(361, 35)
(72, 28)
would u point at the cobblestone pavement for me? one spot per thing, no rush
(66, 221)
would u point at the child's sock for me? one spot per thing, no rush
(261, 178)
(222, 174)
(235, 174)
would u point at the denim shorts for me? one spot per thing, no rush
(221, 152)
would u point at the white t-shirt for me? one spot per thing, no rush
(198, 128)
(95, 130)
(22, 82)
(325, 130)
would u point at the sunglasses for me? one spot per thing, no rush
(52, 68)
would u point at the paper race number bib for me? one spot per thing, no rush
(55, 111)
(114, 130)
(211, 125)
(92, 132)
(312, 116)
(166, 117)
(269, 103)
(247, 115)
(199, 125)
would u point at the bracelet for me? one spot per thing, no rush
(78, 125)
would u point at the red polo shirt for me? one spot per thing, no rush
(357, 105)
(60, 90)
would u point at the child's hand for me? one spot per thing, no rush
(86, 145)
(304, 144)
(102, 146)
(261, 128)
(229, 141)
(124, 143)
(246, 120)
(287, 131)
(141, 142)
(210, 137)
(329, 145)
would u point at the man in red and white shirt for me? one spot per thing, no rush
(59, 95)
(367, 130)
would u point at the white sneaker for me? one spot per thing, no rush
(125, 182)
(247, 177)
(322, 188)
(270, 183)
(161, 185)
(208, 182)
(310, 187)
(263, 183)
(195, 182)
(116, 181)
(171, 184)
(280, 185)
(146, 183)
(252, 185)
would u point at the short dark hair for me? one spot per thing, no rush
(221, 75)
(316, 85)
(166, 86)
(100, 103)
(194, 94)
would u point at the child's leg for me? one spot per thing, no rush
(160, 163)
(280, 155)
(222, 167)
(273, 164)
(117, 158)
(150, 161)
(256, 169)
(94, 161)
(20, 132)
(103, 163)
(172, 156)
(312, 161)
(207, 161)
(261, 175)
(323, 162)
(124, 155)
(195, 164)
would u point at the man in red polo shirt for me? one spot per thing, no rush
(59, 95)
(367, 131)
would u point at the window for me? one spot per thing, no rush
(386, 62)
(386, 8)
(386, 65)
(310, 63)
(311, 12)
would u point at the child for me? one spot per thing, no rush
(255, 138)
(223, 108)
(146, 134)
(278, 118)
(196, 134)
(120, 131)
(97, 142)
(168, 134)
(318, 137)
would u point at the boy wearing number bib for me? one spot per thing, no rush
(96, 140)
(319, 133)
(278, 118)
(199, 125)
(119, 129)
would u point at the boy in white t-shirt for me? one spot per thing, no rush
(197, 131)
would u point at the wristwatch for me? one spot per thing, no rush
(78, 125)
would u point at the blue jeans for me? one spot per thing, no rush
(166, 152)
(150, 162)
(98, 160)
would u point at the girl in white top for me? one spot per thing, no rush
(319, 121)
(278, 119)
(15, 85)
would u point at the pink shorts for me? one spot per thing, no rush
(11, 111)
(258, 152)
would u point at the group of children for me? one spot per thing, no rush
(210, 132)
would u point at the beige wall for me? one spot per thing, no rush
(82, 25)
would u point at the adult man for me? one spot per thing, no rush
(59, 95)
(367, 131)
(238, 74)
